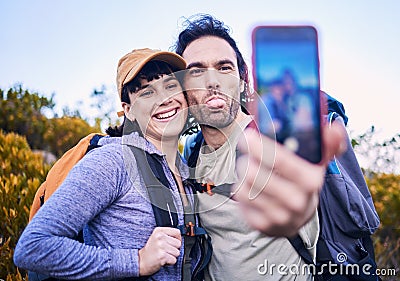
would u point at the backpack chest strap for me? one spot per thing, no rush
(191, 229)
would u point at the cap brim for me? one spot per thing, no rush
(171, 58)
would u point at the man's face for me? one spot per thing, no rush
(212, 81)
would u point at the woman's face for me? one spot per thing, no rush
(159, 107)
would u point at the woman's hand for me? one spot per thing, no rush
(162, 248)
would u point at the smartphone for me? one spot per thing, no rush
(286, 78)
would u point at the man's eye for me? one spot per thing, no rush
(226, 68)
(196, 71)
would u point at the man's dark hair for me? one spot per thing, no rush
(206, 25)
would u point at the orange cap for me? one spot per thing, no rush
(131, 64)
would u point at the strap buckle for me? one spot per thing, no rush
(190, 229)
(207, 187)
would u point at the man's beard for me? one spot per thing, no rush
(220, 119)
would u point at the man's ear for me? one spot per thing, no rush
(241, 85)
(128, 112)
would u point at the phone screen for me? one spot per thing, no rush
(286, 78)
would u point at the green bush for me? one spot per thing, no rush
(22, 171)
(65, 132)
(23, 113)
(385, 190)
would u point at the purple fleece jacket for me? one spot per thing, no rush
(105, 192)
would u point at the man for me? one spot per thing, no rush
(288, 185)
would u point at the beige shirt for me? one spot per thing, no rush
(239, 252)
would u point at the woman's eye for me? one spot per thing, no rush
(171, 86)
(146, 93)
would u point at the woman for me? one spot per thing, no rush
(104, 194)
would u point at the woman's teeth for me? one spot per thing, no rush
(166, 114)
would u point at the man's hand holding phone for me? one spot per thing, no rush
(284, 159)
(278, 189)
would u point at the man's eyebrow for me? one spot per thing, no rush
(226, 61)
(196, 64)
(203, 65)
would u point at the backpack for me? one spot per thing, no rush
(347, 219)
(157, 185)
(347, 215)
(60, 170)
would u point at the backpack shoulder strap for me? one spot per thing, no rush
(60, 170)
(160, 193)
(162, 202)
(157, 187)
(298, 245)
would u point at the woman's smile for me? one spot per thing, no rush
(166, 115)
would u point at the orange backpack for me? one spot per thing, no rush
(59, 172)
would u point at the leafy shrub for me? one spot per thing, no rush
(24, 113)
(22, 171)
(65, 132)
(378, 156)
(385, 189)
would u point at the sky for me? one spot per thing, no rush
(71, 47)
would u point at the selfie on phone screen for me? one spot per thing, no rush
(286, 77)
